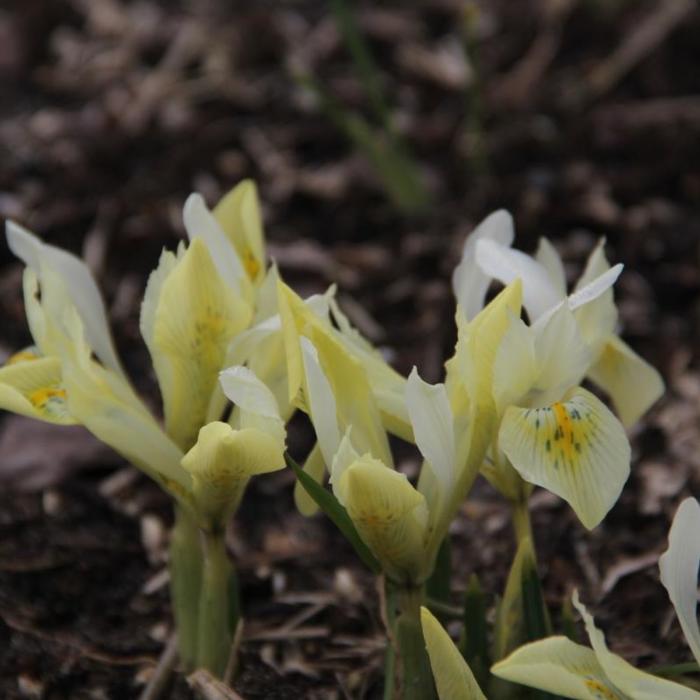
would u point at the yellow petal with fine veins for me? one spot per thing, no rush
(453, 677)
(576, 449)
(632, 383)
(389, 514)
(188, 318)
(222, 462)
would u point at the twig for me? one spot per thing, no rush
(162, 672)
(644, 38)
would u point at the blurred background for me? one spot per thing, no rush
(379, 134)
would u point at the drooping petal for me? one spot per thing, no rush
(559, 666)
(469, 282)
(679, 570)
(32, 385)
(221, 463)
(630, 681)
(189, 317)
(105, 404)
(453, 677)
(238, 214)
(507, 265)
(548, 257)
(79, 285)
(632, 383)
(389, 514)
(576, 449)
(431, 418)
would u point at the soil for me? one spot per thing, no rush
(581, 117)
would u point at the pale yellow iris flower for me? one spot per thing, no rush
(560, 666)
(196, 302)
(553, 432)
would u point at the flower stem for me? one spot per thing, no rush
(185, 583)
(416, 674)
(521, 520)
(216, 606)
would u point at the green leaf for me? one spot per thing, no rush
(330, 505)
(437, 587)
(474, 644)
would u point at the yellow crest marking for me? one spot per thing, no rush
(22, 356)
(600, 691)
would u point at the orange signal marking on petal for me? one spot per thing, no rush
(600, 691)
(41, 397)
(564, 434)
(22, 356)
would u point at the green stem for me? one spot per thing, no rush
(215, 606)
(185, 583)
(521, 521)
(416, 674)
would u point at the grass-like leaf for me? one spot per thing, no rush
(330, 505)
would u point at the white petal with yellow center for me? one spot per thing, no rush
(631, 682)
(576, 449)
(679, 570)
(559, 666)
(453, 677)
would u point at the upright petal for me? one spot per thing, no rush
(431, 418)
(79, 284)
(679, 570)
(576, 449)
(238, 214)
(548, 257)
(200, 223)
(189, 317)
(469, 282)
(559, 666)
(562, 357)
(453, 677)
(507, 265)
(632, 383)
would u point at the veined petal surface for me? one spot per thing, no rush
(575, 448)
(679, 570)
(632, 383)
(79, 284)
(453, 677)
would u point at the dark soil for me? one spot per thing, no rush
(112, 112)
